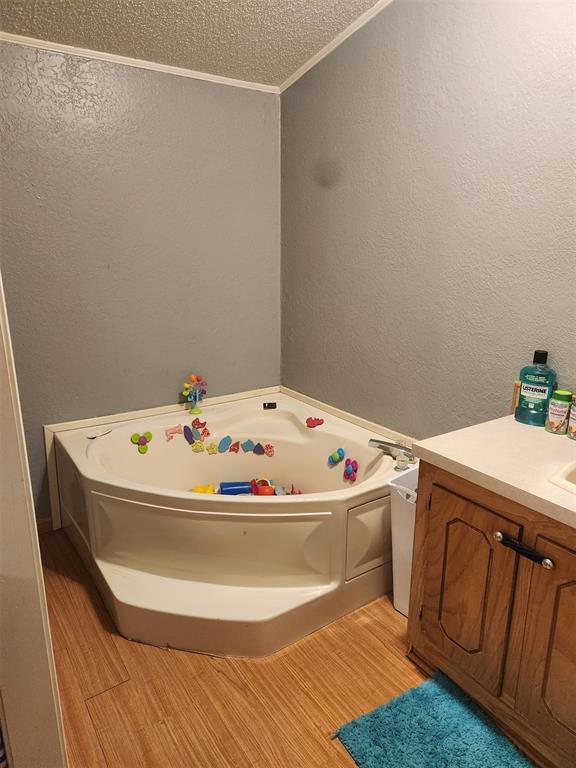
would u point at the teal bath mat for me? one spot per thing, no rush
(433, 726)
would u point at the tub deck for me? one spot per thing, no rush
(126, 704)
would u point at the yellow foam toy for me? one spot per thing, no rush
(203, 489)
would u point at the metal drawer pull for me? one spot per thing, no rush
(523, 550)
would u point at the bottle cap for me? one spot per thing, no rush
(562, 394)
(540, 357)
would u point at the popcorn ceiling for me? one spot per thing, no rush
(262, 41)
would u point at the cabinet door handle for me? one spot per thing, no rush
(523, 550)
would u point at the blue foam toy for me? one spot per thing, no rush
(196, 433)
(259, 449)
(248, 446)
(336, 457)
(188, 434)
(235, 489)
(224, 444)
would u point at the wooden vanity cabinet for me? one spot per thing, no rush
(501, 625)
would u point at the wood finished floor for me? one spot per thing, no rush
(127, 705)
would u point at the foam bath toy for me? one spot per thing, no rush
(212, 448)
(294, 491)
(197, 424)
(205, 433)
(351, 470)
(336, 457)
(188, 434)
(198, 446)
(141, 441)
(263, 488)
(235, 447)
(269, 449)
(193, 391)
(314, 422)
(196, 434)
(235, 489)
(280, 490)
(171, 431)
(259, 449)
(248, 446)
(204, 489)
(224, 444)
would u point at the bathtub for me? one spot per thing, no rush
(228, 575)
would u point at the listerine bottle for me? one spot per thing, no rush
(536, 386)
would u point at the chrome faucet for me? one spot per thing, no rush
(395, 450)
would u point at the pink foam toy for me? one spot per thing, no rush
(351, 470)
(314, 422)
(171, 431)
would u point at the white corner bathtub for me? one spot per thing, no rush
(233, 575)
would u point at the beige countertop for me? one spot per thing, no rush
(509, 458)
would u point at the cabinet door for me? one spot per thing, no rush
(547, 685)
(468, 587)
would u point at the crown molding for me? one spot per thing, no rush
(85, 53)
(333, 44)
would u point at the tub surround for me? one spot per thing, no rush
(239, 575)
(514, 460)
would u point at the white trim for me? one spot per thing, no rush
(333, 44)
(86, 53)
(51, 429)
(371, 426)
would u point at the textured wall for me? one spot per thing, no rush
(140, 236)
(264, 41)
(429, 198)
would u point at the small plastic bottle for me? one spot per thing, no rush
(536, 386)
(558, 412)
(572, 420)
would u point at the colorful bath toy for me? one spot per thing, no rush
(235, 447)
(269, 449)
(262, 487)
(205, 433)
(314, 422)
(224, 444)
(259, 449)
(351, 470)
(294, 491)
(196, 434)
(204, 489)
(197, 424)
(235, 488)
(188, 434)
(248, 446)
(141, 441)
(280, 490)
(212, 448)
(193, 391)
(198, 446)
(171, 431)
(336, 457)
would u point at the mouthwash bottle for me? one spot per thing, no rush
(536, 386)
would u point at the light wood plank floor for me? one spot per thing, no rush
(131, 705)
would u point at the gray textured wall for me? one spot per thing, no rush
(140, 237)
(429, 202)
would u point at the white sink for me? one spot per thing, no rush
(566, 478)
